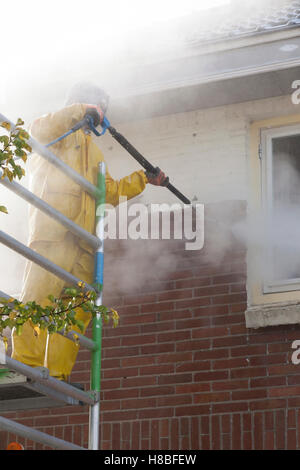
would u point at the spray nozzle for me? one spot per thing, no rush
(94, 115)
(92, 119)
(105, 124)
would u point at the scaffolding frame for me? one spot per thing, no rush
(40, 376)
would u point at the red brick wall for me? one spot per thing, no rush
(182, 371)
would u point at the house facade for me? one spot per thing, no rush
(205, 355)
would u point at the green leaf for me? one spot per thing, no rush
(97, 286)
(5, 140)
(70, 291)
(6, 125)
(18, 142)
(19, 152)
(3, 209)
(80, 325)
(27, 147)
(19, 329)
(52, 329)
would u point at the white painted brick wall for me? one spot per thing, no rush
(204, 152)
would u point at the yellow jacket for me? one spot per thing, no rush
(80, 152)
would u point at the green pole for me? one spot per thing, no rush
(97, 320)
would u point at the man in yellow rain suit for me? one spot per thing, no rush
(54, 241)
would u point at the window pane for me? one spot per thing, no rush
(285, 211)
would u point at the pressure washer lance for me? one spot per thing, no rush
(92, 120)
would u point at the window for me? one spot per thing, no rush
(280, 154)
(273, 262)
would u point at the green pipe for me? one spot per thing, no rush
(97, 320)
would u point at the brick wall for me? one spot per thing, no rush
(182, 371)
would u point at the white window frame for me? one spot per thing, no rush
(284, 285)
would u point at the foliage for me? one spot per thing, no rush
(59, 315)
(13, 144)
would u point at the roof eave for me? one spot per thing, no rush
(244, 40)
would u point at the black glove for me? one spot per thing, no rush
(158, 178)
(93, 113)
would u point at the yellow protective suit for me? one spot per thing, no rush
(54, 241)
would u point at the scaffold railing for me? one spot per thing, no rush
(40, 376)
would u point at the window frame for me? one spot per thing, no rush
(257, 297)
(266, 137)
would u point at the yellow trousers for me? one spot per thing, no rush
(54, 351)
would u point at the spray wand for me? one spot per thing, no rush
(92, 120)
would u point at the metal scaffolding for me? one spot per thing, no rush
(39, 379)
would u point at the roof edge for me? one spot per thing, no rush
(246, 40)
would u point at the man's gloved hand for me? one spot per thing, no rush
(96, 112)
(158, 178)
